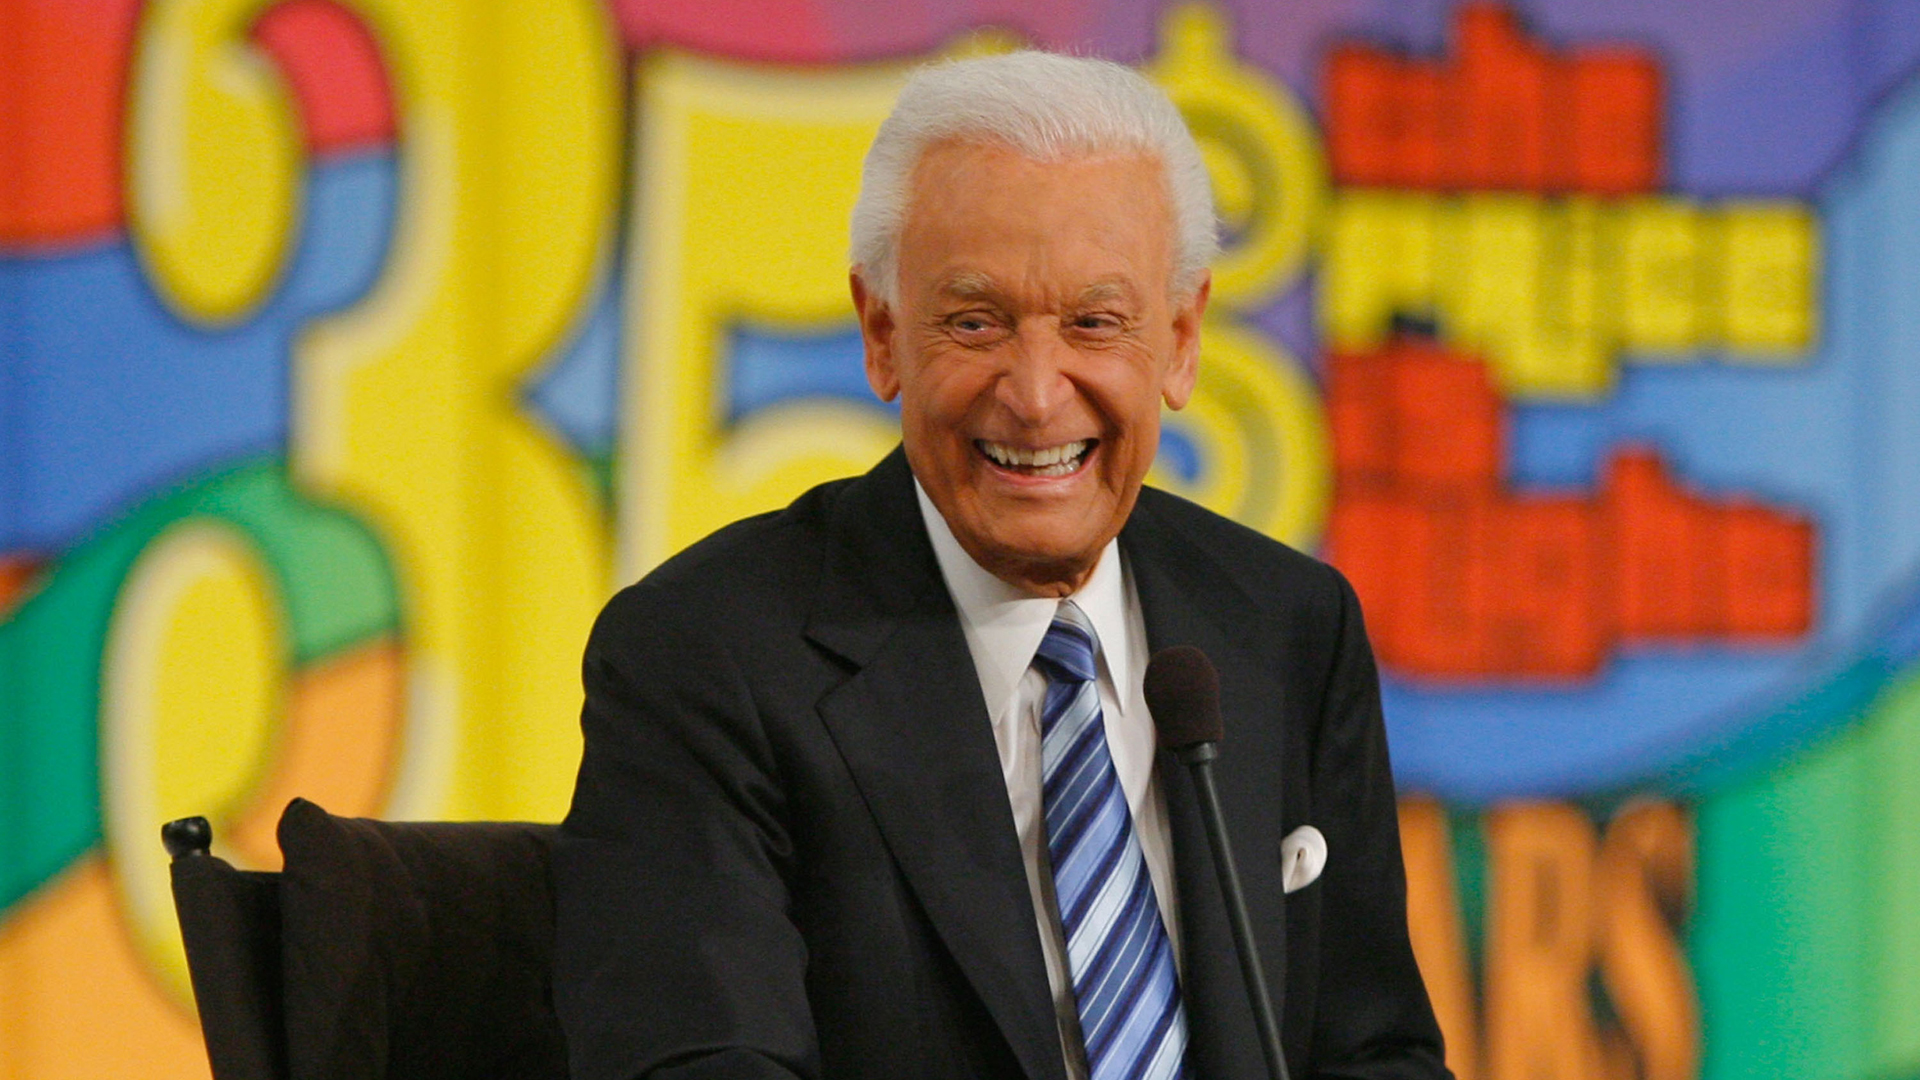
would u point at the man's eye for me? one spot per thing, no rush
(973, 323)
(1097, 323)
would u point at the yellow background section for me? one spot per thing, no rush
(1552, 291)
(744, 182)
(408, 407)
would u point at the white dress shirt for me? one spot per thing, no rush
(1003, 628)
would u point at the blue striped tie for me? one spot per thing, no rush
(1117, 947)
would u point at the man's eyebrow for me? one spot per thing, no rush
(974, 285)
(969, 285)
(1101, 292)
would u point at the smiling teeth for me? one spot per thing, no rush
(1052, 461)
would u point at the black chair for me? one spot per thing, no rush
(383, 949)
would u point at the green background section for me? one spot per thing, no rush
(1806, 944)
(335, 586)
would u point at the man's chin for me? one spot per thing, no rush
(1047, 561)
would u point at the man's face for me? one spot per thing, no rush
(1032, 343)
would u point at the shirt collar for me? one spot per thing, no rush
(1004, 625)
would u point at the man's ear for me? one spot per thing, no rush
(1182, 371)
(876, 335)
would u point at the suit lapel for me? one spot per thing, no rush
(1187, 599)
(913, 729)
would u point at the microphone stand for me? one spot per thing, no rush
(1198, 758)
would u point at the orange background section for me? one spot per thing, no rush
(63, 69)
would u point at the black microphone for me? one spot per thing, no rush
(1183, 694)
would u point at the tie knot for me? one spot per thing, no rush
(1067, 650)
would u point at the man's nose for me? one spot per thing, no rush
(1035, 385)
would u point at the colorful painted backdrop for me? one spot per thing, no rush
(353, 351)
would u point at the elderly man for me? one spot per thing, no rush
(870, 787)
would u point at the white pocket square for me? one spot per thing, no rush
(1303, 854)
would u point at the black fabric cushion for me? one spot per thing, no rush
(417, 949)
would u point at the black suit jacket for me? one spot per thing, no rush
(791, 849)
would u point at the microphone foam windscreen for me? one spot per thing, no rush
(1183, 693)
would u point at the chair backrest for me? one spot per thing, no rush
(230, 921)
(409, 950)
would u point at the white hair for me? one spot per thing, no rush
(1049, 108)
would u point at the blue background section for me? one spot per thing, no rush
(579, 391)
(111, 399)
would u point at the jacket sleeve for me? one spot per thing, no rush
(1373, 1017)
(675, 954)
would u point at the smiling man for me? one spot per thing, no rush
(870, 786)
